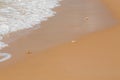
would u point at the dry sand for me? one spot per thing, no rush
(94, 56)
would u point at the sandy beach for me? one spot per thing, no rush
(62, 49)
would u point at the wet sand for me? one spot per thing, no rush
(53, 55)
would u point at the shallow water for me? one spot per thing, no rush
(16, 15)
(95, 56)
(73, 19)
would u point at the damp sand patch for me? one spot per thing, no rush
(16, 15)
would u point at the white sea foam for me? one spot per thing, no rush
(5, 56)
(22, 14)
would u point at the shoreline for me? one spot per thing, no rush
(113, 6)
(68, 26)
(16, 16)
(89, 58)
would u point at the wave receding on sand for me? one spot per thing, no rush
(18, 15)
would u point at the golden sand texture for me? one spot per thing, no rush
(92, 57)
(113, 6)
(73, 19)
